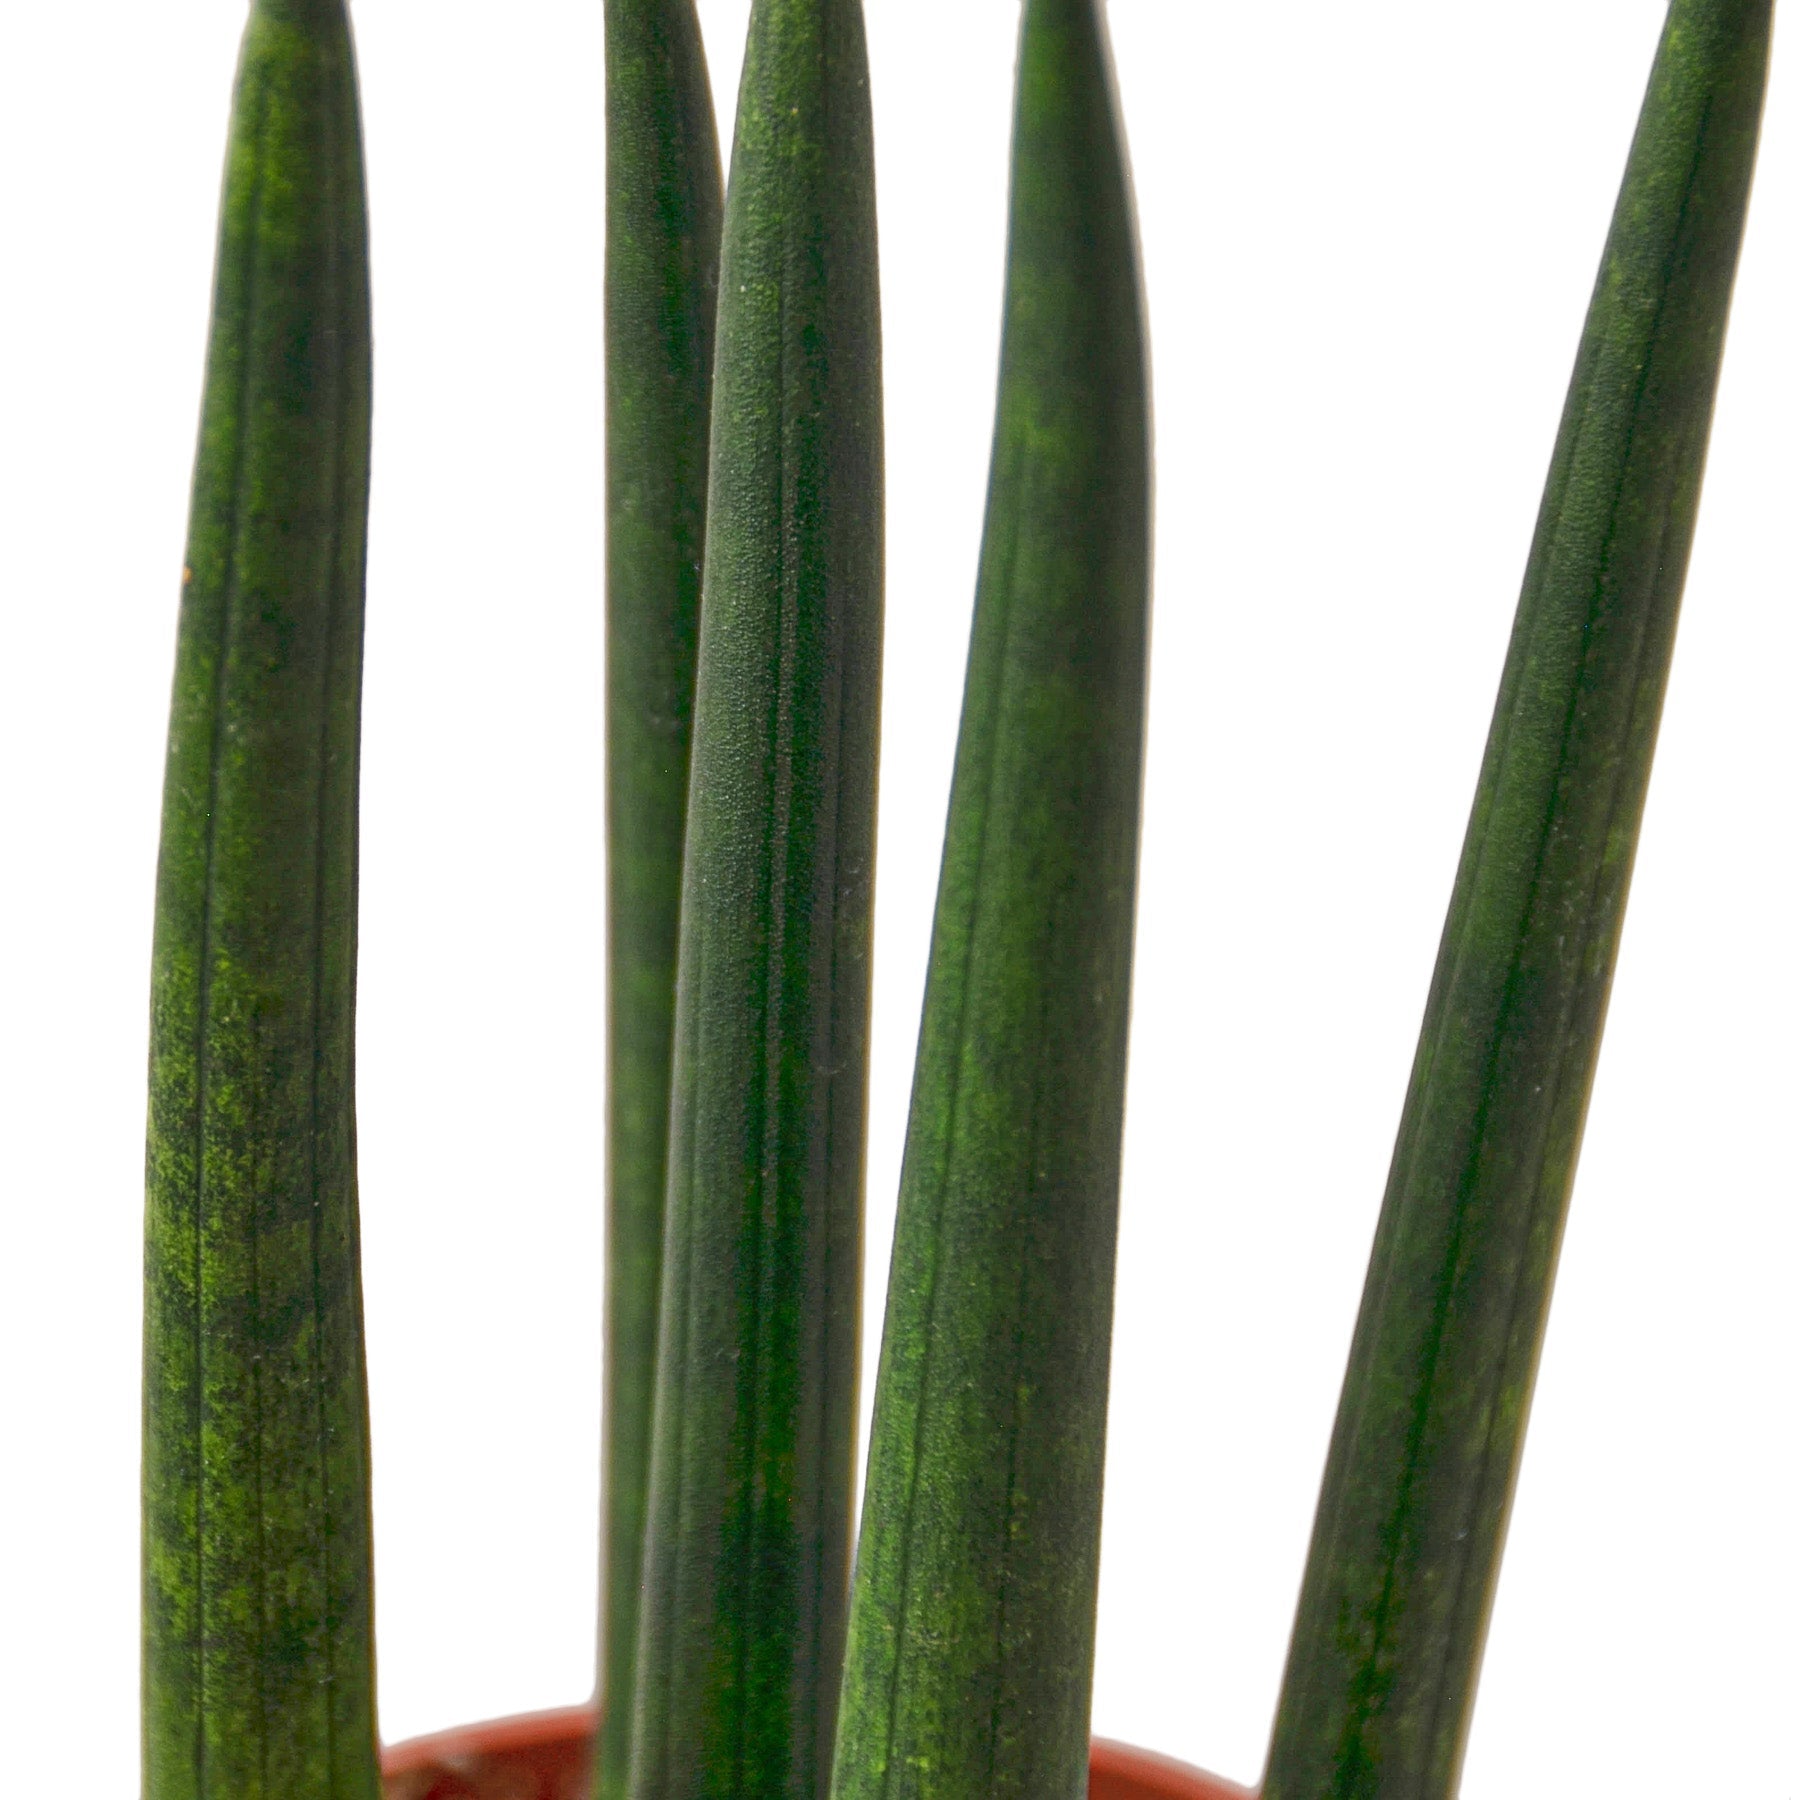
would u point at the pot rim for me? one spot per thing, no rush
(1123, 1769)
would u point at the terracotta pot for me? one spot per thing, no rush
(544, 1756)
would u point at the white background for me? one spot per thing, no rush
(1369, 234)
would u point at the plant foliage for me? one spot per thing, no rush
(258, 1654)
(663, 203)
(746, 1553)
(972, 1630)
(1406, 1545)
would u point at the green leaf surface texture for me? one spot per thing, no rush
(258, 1670)
(664, 197)
(972, 1624)
(747, 1544)
(1406, 1546)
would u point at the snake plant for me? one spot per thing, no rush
(1406, 1546)
(258, 1671)
(740, 1660)
(663, 200)
(747, 1539)
(972, 1632)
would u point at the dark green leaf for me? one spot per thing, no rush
(663, 203)
(747, 1547)
(1406, 1547)
(972, 1627)
(258, 1657)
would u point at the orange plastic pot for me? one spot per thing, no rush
(544, 1756)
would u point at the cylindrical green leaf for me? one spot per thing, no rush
(1406, 1546)
(747, 1546)
(972, 1623)
(258, 1653)
(663, 202)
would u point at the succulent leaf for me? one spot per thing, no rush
(1406, 1545)
(258, 1673)
(972, 1622)
(663, 204)
(746, 1554)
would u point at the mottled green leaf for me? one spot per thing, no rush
(972, 1626)
(258, 1653)
(747, 1547)
(1406, 1546)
